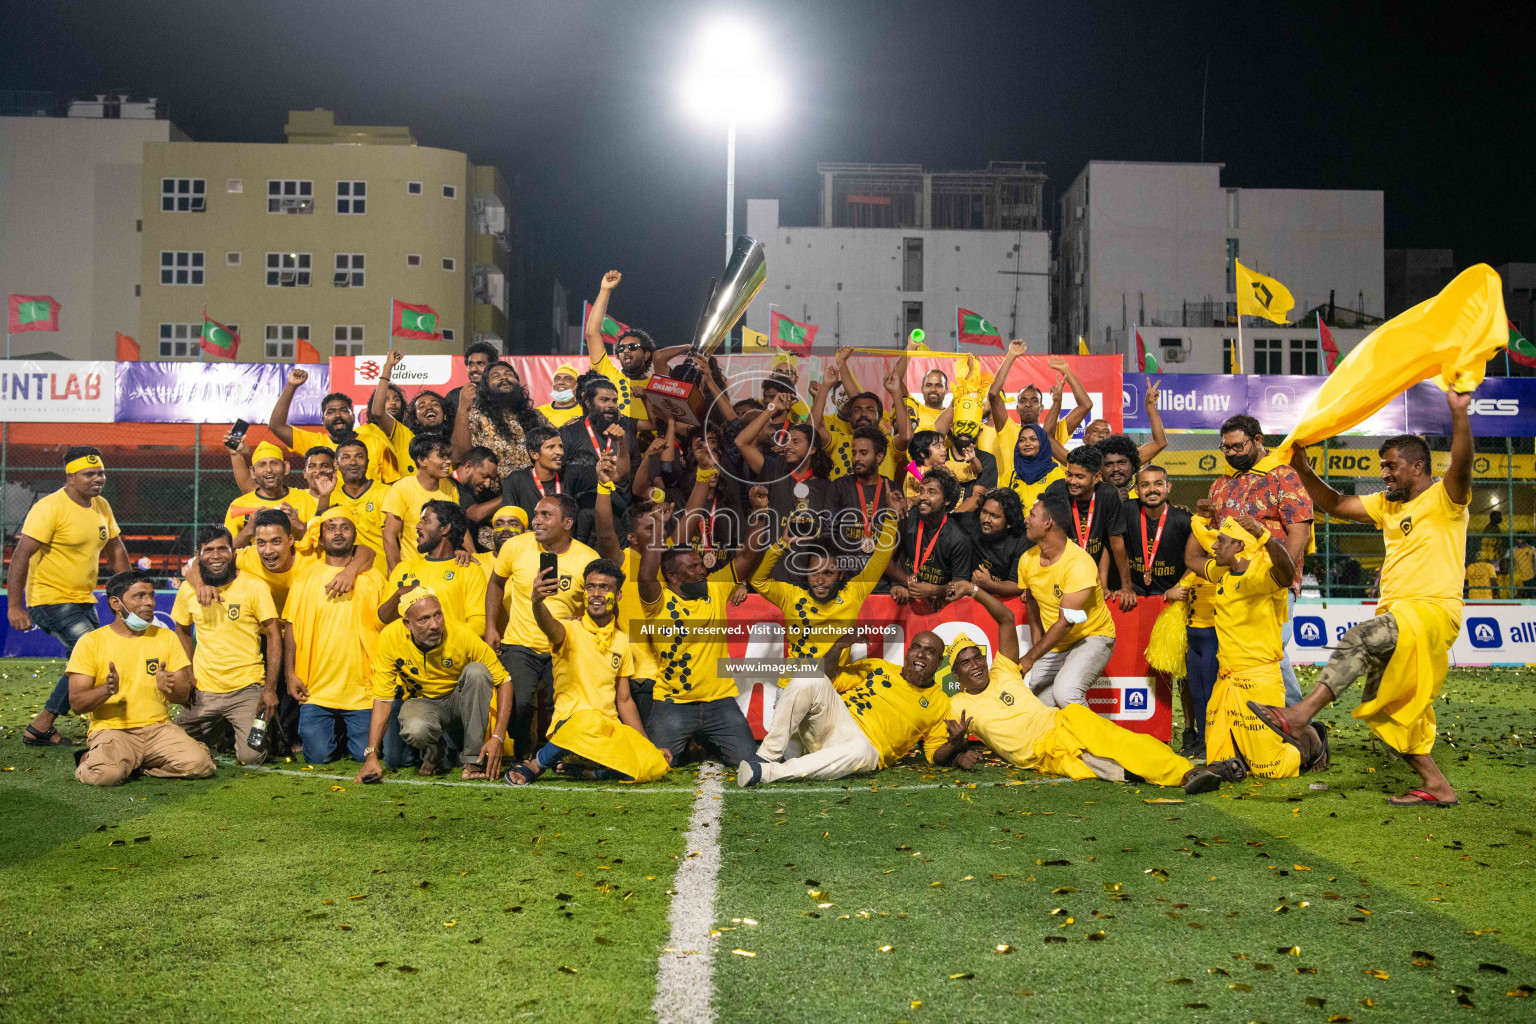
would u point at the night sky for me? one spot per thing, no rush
(580, 102)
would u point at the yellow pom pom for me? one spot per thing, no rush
(1169, 642)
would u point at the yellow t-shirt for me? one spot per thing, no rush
(841, 450)
(560, 417)
(586, 675)
(688, 664)
(400, 669)
(630, 610)
(63, 570)
(1075, 570)
(1480, 576)
(404, 500)
(367, 511)
(1028, 493)
(332, 637)
(518, 563)
(1426, 539)
(278, 583)
(381, 457)
(1202, 601)
(228, 632)
(399, 440)
(1525, 563)
(1007, 715)
(459, 588)
(926, 417)
(631, 392)
(1250, 616)
(138, 700)
(894, 715)
(249, 503)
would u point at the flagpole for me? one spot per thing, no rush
(957, 329)
(1237, 356)
(390, 320)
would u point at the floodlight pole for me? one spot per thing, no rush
(730, 188)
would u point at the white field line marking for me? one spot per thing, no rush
(685, 971)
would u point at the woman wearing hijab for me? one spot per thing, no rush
(1033, 467)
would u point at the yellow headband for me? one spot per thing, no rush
(410, 597)
(566, 368)
(514, 512)
(1231, 529)
(83, 462)
(334, 512)
(268, 450)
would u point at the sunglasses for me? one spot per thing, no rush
(632, 346)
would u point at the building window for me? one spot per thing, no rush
(282, 339)
(1228, 347)
(349, 270)
(911, 317)
(1304, 357)
(447, 333)
(450, 192)
(413, 259)
(911, 264)
(234, 186)
(179, 341)
(348, 340)
(1231, 266)
(181, 267)
(182, 195)
(413, 188)
(290, 195)
(232, 259)
(352, 197)
(1266, 356)
(288, 270)
(449, 263)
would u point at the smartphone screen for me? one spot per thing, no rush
(549, 560)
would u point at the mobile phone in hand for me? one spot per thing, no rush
(548, 560)
(236, 434)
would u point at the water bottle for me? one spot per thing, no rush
(257, 740)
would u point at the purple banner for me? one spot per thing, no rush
(213, 392)
(36, 644)
(1202, 401)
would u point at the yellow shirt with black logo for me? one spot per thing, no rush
(460, 589)
(401, 669)
(138, 701)
(333, 636)
(631, 391)
(248, 504)
(228, 632)
(586, 676)
(841, 450)
(560, 417)
(367, 512)
(1426, 542)
(630, 611)
(1250, 615)
(894, 715)
(1028, 493)
(63, 570)
(381, 457)
(688, 655)
(1075, 570)
(518, 563)
(1007, 715)
(405, 499)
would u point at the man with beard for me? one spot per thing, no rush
(269, 480)
(433, 479)
(460, 589)
(496, 414)
(478, 475)
(835, 435)
(432, 681)
(52, 579)
(1157, 532)
(796, 491)
(1068, 620)
(562, 406)
(864, 496)
(934, 387)
(860, 717)
(1029, 406)
(996, 529)
(506, 523)
(602, 428)
(966, 457)
(340, 423)
(524, 488)
(524, 648)
(425, 414)
(327, 645)
(234, 676)
(935, 559)
(634, 349)
(477, 359)
(361, 497)
(1097, 517)
(1072, 741)
(1258, 484)
(1122, 461)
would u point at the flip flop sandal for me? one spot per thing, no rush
(522, 771)
(1323, 758)
(32, 737)
(429, 768)
(1274, 720)
(1421, 799)
(566, 770)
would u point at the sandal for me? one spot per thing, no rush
(1420, 798)
(1322, 759)
(429, 768)
(473, 772)
(519, 775)
(1272, 717)
(567, 770)
(33, 737)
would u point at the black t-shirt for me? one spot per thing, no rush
(519, 488)
(953, 556)
(998, 553)
(1167, 559)
(846, 520)
(782, 497)
(1107, 519)
(578, 443)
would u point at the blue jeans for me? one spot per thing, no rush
(715, 723)
(1287, 673)
(550, 755)
(317, 731)
(66, 623)
(1200, 666)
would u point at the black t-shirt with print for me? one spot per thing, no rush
(953, 556)
(1107, 520)
(1167, 560)
(998, 553)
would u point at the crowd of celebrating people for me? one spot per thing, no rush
(469, 580)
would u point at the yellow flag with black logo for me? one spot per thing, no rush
(754, 341)
(1258, 295)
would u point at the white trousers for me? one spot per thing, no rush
(1060, 678)
(811, 712)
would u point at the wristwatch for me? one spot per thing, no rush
(370, 752)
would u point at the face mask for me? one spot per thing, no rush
(694, 591)
(562, 396)
(135, 623)
(1242, 463)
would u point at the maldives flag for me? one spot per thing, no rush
(975, 329)
(418, 322)
(1326, 343)
(127, 348)
(33, 313)
(611, 328)
(1146, 363)
(790, 334)
(219, 340)
(1521, 350)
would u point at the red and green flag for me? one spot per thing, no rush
(1327, 344)
(790, 334)
(33, 313)
(1520, 349)
(1145, 361)
(611, 328)
(411, 321)
(975, 329)
(219, 340)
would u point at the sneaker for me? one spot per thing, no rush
(1211, 776)
(749, 773)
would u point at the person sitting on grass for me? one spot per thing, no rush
(122, 677)
(595, 717)
(433, 677)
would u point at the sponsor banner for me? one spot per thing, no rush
(55, 391)
(1352, 463)
(1502, 633)
(1202, 401)
(36, 644)
(1501, 407)
(213, 392)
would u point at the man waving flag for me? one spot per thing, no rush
(1258, 295)
(418, 322)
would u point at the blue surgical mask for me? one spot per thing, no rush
(562, 396)
(135, 623)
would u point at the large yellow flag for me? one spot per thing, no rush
(1448, 338)
(1258, 295)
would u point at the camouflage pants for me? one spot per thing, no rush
(1363, 650)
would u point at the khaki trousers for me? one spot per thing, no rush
(238, 707)
(163, 750)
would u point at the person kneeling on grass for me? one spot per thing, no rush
(122, 677)
(1072, 741)
(595, 717)
(437, 676)
(861, 717)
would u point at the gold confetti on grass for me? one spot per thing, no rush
(743, 952)
(563, 969)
